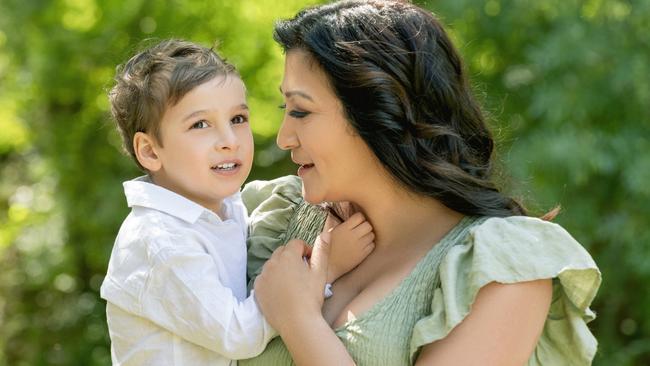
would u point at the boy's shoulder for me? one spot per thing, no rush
(150, 229)
(143, 193)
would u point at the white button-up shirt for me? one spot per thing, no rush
(176, 283)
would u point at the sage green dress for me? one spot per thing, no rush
(437, 295)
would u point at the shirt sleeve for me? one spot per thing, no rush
(184, 295)
(511, 250)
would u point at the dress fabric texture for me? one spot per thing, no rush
(438, 294)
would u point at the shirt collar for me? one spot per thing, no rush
(143, 192)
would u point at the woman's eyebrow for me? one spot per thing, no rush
(299, 93)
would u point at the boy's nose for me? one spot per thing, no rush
(227, 140)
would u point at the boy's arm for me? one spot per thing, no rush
(351, 242)
(184, 295)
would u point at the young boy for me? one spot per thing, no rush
(176, 281)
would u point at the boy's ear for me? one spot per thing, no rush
(145, 147)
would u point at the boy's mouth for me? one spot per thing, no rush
(226, 166)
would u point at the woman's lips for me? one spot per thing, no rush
(304, 169)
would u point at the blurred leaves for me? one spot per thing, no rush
(565, 82)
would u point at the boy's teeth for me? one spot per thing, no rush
(226, 166)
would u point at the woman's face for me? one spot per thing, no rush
(334, 161)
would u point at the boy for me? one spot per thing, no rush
(176, 281)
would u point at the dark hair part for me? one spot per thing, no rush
(405, 92)
(155, 79)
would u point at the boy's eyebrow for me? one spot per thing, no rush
(201, 111)
(299, 93)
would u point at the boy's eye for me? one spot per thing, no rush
(239, 119)
(200, 124)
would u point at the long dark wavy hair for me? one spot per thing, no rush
(405, 92)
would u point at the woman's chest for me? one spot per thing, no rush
(370, 284)
(381, 335)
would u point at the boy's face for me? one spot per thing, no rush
(207, 144)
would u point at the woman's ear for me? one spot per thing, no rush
(145, 147)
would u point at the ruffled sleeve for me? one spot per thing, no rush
(511, 250)
(277, 214)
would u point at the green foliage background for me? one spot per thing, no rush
(565, 81)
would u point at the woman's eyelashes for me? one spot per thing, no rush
(294, 112)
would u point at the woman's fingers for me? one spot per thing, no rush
(295, 246)
(289, 284)
(326, 237)
(320, 256)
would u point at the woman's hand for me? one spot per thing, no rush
(290, 288)
(290, 293)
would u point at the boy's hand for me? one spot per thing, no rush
(350, 243)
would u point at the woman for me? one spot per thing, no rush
(379, 113)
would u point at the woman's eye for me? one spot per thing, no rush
(200, 124)
(239, 119)
(295, 113)
(298, 114)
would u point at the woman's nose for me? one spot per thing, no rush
(287, 138)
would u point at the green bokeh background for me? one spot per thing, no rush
(566, 83)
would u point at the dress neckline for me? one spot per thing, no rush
(438, 249)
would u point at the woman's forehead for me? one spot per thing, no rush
(303, 76)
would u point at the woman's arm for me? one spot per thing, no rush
(311, 341)
(501, 329)
(290, 293)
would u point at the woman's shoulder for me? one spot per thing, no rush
(514, 250)
(517, 245)
(521, 228)
(519, 248)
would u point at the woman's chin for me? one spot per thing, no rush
(312, 197)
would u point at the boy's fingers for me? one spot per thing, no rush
(363, 229)
(368, 238)
(331, 221)
(354, 220)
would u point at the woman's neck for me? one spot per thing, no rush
(400, 216)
